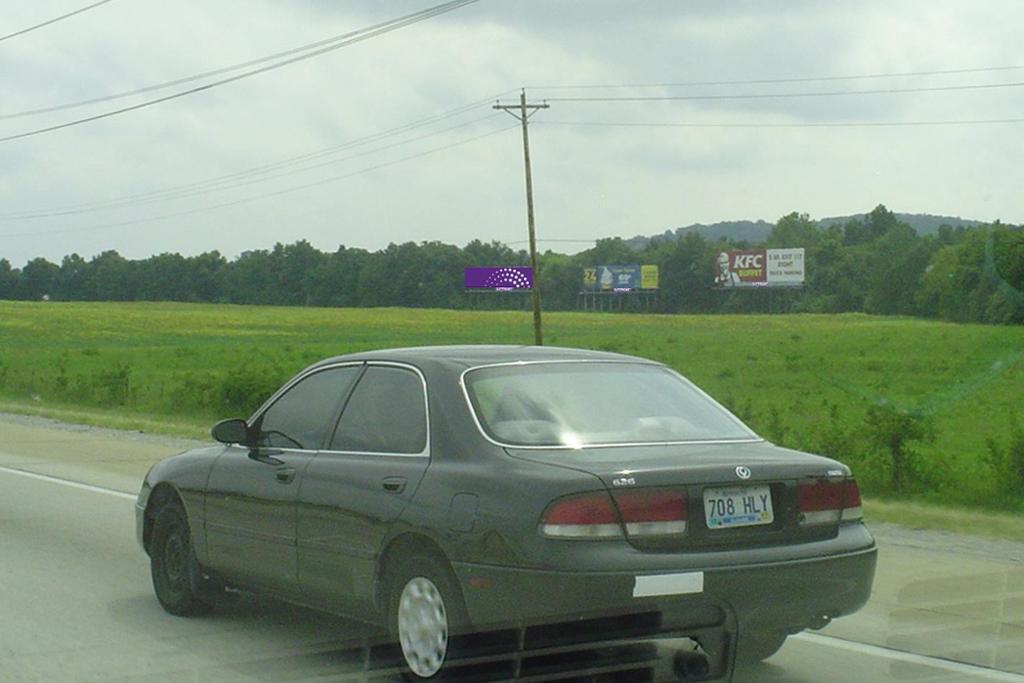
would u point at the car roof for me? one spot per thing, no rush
(472, 355)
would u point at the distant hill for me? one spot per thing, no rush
(750, 231)
(758, 231)
(923, 223)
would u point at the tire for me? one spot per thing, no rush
(425, 609)
(757, 646)
(177, 578)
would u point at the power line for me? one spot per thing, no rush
(54, 20)
(827, 124)
(267, 195)
(322, 164)
(200, 76)
(358, 36)
(770, 81)
(260, 60)
(223, 186)
(762, 96)
(211, 184)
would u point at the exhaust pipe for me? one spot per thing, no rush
(690, 665)
(819, 622)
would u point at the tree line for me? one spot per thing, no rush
(876, 264)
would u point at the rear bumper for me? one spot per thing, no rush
(779, 595)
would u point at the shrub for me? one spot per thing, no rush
(775, 426)
(244, 388)
(60, 383)
(837, 437)
(1007, 463)
(893, 432)
(113, 385)
(194, 392)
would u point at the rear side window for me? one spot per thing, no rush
(386, 414)
(302, 416)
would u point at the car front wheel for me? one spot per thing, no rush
(176, 575)
(426, 608)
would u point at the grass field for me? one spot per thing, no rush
(820, 383)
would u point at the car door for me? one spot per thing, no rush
(357, 487)
(252, 492)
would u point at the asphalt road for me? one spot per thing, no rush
(76, 603)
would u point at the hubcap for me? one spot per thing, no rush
(175, 559)
(422, 627)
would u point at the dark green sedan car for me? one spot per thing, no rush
(466, 491)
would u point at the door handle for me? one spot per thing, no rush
(285, 475)
(394, 484)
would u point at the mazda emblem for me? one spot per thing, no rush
(743, 472)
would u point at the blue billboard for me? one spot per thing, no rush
(625, 278)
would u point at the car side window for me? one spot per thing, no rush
(302, 416)
(386, 414)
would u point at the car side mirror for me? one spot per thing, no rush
(234, 430)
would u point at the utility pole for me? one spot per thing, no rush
(523, 112)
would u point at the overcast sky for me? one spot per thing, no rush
(590, 180)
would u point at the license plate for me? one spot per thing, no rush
(725, 508)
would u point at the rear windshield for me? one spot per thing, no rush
(591, 403)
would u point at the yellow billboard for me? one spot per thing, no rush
(648, 277)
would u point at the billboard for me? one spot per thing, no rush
(501, 279)
(648, 277)
(785, 267)
(621, 278)
(760, 268)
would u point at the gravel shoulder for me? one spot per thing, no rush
(33, 422)
(1002, 550)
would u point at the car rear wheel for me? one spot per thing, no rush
(425, 610)
(177, 578)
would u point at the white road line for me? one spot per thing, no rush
(69, 482)
(978, 672)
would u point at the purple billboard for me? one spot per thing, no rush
(501, 279)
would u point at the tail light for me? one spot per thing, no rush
(652, 512)
(828, 502)
(851, 507)
(587, 515)
(643, 512)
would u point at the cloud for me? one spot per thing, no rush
(590, 181)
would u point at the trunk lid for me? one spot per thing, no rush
(724, 507)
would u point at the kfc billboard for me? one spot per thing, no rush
(760, 268)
